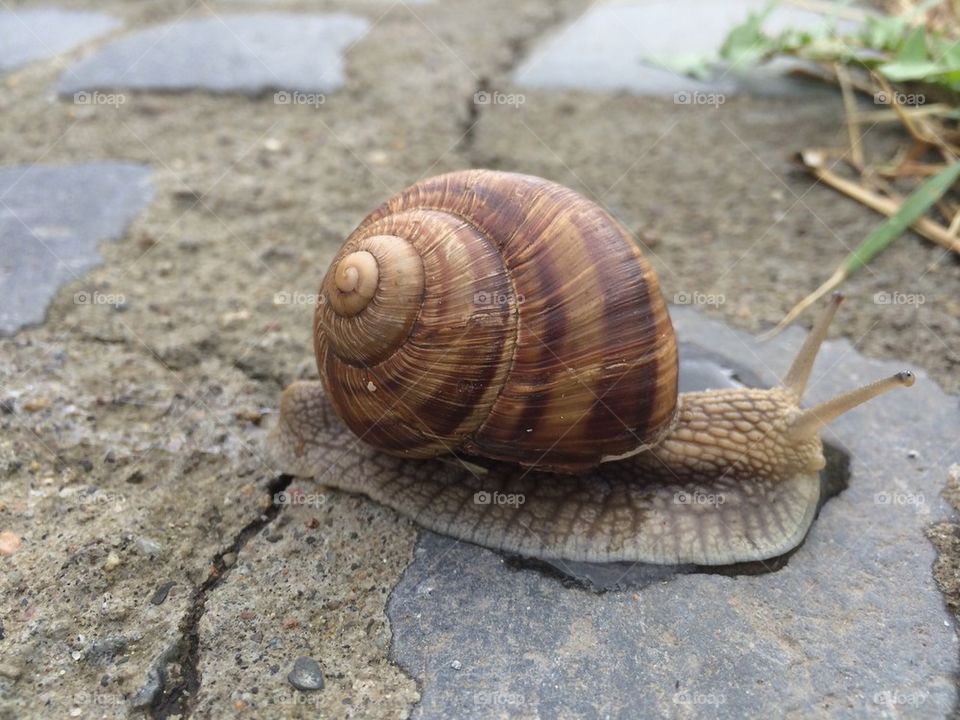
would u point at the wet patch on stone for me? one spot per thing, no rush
(629, 46)
(30, 35)
(247, 54)
(852, 618)
(51, 221)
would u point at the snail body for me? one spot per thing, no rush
(505, 319)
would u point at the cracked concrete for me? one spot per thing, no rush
(175, 697)
(131, 455)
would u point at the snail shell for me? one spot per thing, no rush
(498, 315)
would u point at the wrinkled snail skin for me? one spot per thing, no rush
(565, 391)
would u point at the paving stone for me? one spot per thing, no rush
(30, 35)
(230, 53)
(851, 626)
(616, 46)
(51, 221)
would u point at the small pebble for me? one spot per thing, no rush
(148, 694)
(112, 562)
(160, 596)
(36, 404)
(913, 454)
(229, 559)
(249, 415)
(149, 547)
(76, 654)
(11, 672)
(306, 674)
(9, 543)
(235, 317)
(189, 245)
(371, 387)
(456, 665)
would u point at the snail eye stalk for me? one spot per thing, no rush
(809, 422)
(796, 378)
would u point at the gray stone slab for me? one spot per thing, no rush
(852, 625)
(51, 221)
(28, 35)
(230, 53)
(615, 46)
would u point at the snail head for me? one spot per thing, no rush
(761, 433)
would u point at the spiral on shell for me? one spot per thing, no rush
(497, 315)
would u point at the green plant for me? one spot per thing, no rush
(900, 61)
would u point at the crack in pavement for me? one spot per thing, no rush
(177, 700)
(517, 47)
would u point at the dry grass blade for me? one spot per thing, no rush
(888, 206)
(902, 216)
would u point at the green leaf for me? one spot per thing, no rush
(747, 43)
(693, 65)
(947, 54)
(901, 72)
(883, 33)
(912, 61)
(918, 202)
(914, 49)
(889, 44)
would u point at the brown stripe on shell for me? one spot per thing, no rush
(622, 332)
(532, 413)
(636, 319)
(575, 417)
(436, 388)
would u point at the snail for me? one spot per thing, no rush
(497, 362)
